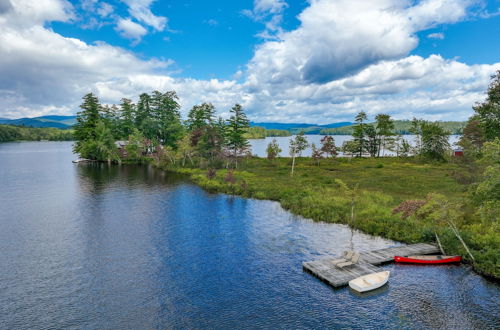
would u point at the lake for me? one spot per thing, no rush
(114, 247)
(259, 145)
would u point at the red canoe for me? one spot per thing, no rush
(428, 259)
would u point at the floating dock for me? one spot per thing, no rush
(326, 271)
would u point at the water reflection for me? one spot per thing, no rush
(371, 294)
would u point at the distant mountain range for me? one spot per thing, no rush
(401, 126)
(62, 122)
(297, 127)
(65, 122)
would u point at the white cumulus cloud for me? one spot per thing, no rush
(140, 10)
(269, 12)
(130, 30)
(343, 58)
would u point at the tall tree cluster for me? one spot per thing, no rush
(371, 138)
(431, 139)
(154, 125)
(155, 117)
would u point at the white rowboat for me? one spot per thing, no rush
(369, 282)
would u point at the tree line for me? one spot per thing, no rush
(153, 127)
(20, 133)
(373, 139)
(401, 127)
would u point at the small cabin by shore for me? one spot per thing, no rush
(120, 145)
(458, 152)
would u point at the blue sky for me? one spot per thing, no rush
(207, 39)
(292, 61)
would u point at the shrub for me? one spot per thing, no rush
(211, 173)
(230, 178)
(408, 208)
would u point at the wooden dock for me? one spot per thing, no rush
(329, 273)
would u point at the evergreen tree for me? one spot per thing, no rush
(143, 117)
(372, 141)
(87, 118)
(359, 133)
(102, 146)
(86, 124)
(385, 129)
(166, 125)
(236, 128)
(200, 116)
(111, 118)
(127, 118)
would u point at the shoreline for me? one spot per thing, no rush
(374, 208)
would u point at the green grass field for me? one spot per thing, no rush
(401, 179)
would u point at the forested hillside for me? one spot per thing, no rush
(17, 133)
(400, 127)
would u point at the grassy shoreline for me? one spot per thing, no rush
(322, 193)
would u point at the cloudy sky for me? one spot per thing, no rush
(315, 61)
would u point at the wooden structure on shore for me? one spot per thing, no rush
(326, 271)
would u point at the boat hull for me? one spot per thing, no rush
(427, 259)
(369, 282)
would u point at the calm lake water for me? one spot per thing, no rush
(259, 145)
(99, 247)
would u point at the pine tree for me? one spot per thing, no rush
(372, 141)
(200, 116)
(86, 123)
(127, 118)
(166, 119)
(359, 133)
(143, 117)
(87, 119)
(385, 129)
(236, 128)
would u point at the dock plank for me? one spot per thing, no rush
(325, 270)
